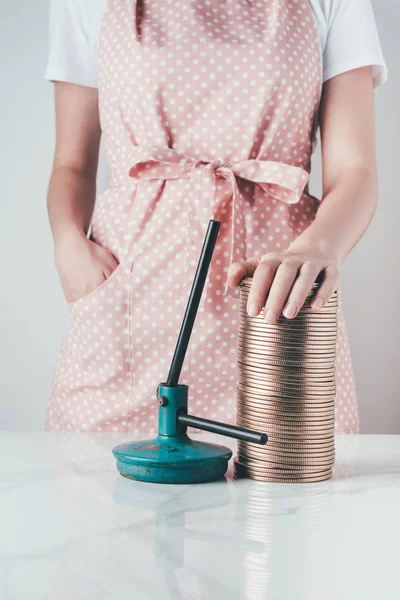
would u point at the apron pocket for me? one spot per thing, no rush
(97, 353)
(101, 290)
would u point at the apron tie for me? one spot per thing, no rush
(280, 180)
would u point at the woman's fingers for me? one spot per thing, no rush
(262, 279)
(330, 282)
(282, 283)
(241, 269)
(301, 288)
(280, 289)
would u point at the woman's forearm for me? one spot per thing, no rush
(70, 202)
(343, 216)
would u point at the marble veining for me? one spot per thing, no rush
(72, 527)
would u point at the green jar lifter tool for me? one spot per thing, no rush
(172, 456)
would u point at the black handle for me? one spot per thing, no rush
(233, 431)
(193, 302)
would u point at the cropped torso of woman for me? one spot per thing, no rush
(208, 110)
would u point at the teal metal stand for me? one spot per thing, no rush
(172, 456)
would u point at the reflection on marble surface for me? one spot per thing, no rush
(72, 527)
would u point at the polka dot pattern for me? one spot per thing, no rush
(207, 111)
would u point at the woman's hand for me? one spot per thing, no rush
(82, 265)
(282, 281)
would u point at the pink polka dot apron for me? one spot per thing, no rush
(208, 110)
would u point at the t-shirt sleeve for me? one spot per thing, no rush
(71, 55)
(353, 40)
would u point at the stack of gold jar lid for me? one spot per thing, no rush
(286, 388)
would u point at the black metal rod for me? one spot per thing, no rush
(233, 431)
(193, 302)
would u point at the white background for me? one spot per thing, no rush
(33, 314)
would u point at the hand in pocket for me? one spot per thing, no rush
(82, 265)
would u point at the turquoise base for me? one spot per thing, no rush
(167, 459)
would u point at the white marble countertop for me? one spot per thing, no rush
(72, 527)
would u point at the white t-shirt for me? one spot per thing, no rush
(347, 33)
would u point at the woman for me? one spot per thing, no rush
(209, 109)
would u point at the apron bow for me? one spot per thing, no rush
(280, 180)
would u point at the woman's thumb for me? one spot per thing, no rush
(240, 269)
